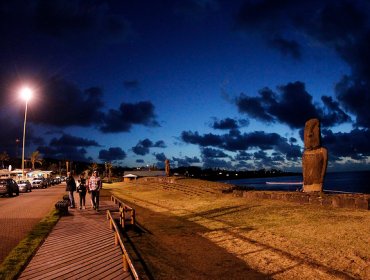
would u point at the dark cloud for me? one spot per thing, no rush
(342, 26)
(131, 84)
(186, 161)
(217, 163)
(129, 114)
(68, 147)
(229, 123)
(235, 141)
(69, 140)
(140, 161)
(12, 131)
(64, 153)
(80, 21)
(354, 95)
(287, 47)
(194, 9)
(243, 156)
(293, 105)
(160, 157)
(341, 145)
(213, 153)
(61, 103)
(143, 146)
(112, 154)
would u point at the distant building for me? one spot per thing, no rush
(139, 173)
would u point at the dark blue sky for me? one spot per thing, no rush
(200, 82)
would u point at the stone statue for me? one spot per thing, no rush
(167, 166)
(314, 159)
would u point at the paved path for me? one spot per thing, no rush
(81, 246)
(19, 214)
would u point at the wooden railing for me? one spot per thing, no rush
(127, 213)
(118, 240)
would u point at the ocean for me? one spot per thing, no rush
(352, 182)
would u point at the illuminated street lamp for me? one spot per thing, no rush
(26, 94)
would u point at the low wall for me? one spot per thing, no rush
(159, 179)
(354, 201)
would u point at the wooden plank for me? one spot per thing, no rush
(81, 246)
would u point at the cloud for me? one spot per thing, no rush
(12, 131)
(212, 153)
(341, 145)
(131, 84)
(228, 123)
(217, 163)
(234, 141)
(243, 156)
(81, 21)
(129, 114)
(186, 161)
(69, 140)
(68, 147)
(160, 157)
(61, 103)
(342, 26)
(292, 106)
(286, 47)
(140, 161)
(112, 154)
(143, 146)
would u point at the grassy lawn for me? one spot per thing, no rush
(277, 239)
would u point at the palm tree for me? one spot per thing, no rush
(93, 167)
(35, 158)
(4, 157)
(108, 166)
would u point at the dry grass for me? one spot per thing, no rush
(196, 232)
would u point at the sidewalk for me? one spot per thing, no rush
(81, 246)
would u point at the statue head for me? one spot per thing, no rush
(312, 134)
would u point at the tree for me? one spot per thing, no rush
(108, 167)
(35, 158)
(93, 167)
(4, 157)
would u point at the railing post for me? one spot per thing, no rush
(115, 238)
(132, 216)
(111, 224)
(125, 264)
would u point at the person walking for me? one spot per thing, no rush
(81, 189)
(71, 187)
(94, 187)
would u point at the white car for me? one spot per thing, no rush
(38, 183)
(24, 186)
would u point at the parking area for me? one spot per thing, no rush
(19, 214)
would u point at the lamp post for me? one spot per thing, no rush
(26, 94)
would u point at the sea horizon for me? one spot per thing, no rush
(348, 181)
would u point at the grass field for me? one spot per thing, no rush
(194, 231)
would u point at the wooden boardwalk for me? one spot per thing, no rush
(81, 246)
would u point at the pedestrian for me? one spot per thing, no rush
(94, 186)
(71, 187)
(81, 189)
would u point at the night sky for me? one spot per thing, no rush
(226, 84)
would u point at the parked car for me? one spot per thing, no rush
(39, 183)
(47, 181)
(24, 186)
(8, 186)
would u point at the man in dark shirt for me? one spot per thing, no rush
(71, 187)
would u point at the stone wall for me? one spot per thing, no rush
(354, 201)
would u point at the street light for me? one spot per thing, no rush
(26, 94)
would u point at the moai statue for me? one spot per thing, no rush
(314, 159)
(167, 164)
